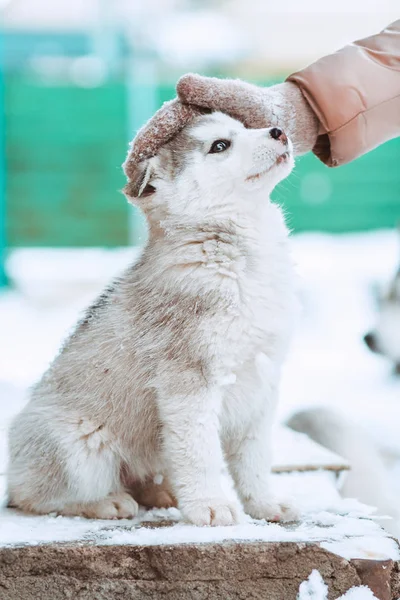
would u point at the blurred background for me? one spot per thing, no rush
(77, 79)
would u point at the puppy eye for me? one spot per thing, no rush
(219, 146)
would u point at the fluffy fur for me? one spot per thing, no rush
(174, 371)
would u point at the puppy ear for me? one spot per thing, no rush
(140, 175)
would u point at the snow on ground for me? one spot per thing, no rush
(328, 365)
(344, 527)
(314, 588)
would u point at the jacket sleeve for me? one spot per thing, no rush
(355, 94)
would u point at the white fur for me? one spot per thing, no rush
(177, 372)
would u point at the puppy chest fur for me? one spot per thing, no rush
(175, 369)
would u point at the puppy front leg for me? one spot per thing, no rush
(193, 454)
(250, 463)
(250, 467)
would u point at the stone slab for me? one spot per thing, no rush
(242, 571)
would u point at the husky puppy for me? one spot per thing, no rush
(385, 338)
(174, 371)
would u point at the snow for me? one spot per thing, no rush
(314, 588)
(361, 592)
(31, 530)
(328, 364)
(296, 451)
(310, 530)
(364, 546)
(350, 527)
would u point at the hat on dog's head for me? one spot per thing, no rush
(166, 123)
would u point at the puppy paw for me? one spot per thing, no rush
(212, 512)
(115, 506)
(124, 505)
(272, 509)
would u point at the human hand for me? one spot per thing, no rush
(280, 105)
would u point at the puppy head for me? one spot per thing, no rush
(212, 159)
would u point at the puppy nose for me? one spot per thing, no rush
(370, 341)
(278, 134)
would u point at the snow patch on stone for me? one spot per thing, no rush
(314, 588)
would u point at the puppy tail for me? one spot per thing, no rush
(368, 478)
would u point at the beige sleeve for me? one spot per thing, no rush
(355, 94)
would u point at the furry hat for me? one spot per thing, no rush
(166, 123)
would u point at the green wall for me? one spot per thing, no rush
(359, 196)
(65, 146)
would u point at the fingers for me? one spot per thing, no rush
(169, 120)
(240, 100)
